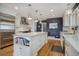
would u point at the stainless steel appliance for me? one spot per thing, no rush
(6, 39)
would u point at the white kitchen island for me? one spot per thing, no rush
(28, 44)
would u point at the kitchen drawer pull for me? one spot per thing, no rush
(28, 45)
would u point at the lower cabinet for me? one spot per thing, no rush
(70, 50)
(36, 42)
(20, 50)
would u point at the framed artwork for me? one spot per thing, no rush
(53, 25)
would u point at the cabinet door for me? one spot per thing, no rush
(25, 50)
(73, 19)
(16, 50)
(66, 20)
(70, 50)
(78, 19)
(35, 44)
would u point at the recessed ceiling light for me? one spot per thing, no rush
(51, 10)
(16, 7)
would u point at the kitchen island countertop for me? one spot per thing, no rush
(30, 34)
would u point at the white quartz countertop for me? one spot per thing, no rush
(73, 40)
(30, 34)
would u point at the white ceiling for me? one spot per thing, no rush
(43, 8)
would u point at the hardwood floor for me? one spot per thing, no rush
(44, 51)
(7, 51)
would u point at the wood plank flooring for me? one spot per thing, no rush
(44, 51)
(7, 51)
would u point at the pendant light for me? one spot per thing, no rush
(69, 10)
(36, 11)
(41, 18)
(29, 12)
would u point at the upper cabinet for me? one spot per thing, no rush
(71, 19)
(66, 20)
(78, 19)
(78, 16)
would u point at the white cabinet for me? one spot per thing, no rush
(78, 19)
(66, 20)
(28, 44)
(73, 20)
(70, 50)
(69, 20)
(20, 50)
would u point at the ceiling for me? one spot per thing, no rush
(43, 9)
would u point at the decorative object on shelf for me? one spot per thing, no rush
(24, 21)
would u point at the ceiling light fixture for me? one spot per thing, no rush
(16, 7)
(51, 10)
(36, 16)
(29, 18)
(36, 20)
(68, 11)
(29, 12)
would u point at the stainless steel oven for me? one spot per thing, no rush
(6, 39)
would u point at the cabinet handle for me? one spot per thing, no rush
(27, 45)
